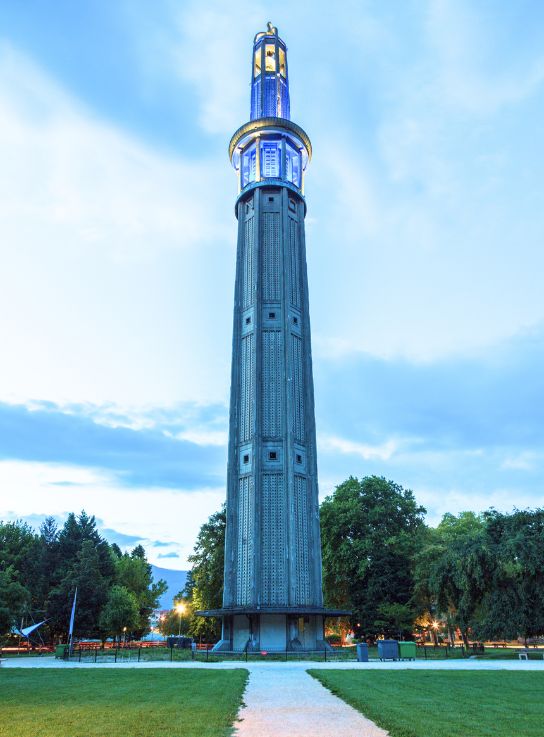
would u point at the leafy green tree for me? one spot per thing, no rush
(370, 531)
(451, 572)
(14, 600)
(75, 532)
(459, 579)
(172, 623)
(134, 573)
(20, 551)
(513, 604)
(120, 614)
(204, 587)
(92, 593)
(395, 619)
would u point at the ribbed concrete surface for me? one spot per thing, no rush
(290, 703)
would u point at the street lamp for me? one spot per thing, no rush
(180, 609)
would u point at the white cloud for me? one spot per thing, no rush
(457, 500)
(104, 245)
(471, 72)
(167, 515)
(208, 57)
(382, 452)
(526, 461)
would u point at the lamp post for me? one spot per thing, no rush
(180, 609)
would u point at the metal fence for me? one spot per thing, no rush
(128, 654)
(136, 653)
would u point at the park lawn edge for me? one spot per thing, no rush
(370, 713)
(390, 723)
(232, 714)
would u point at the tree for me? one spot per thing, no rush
(120, 613)
(370, 531)
(451, 572)
(172, 623)
(135, 574)
(14, 600)
(75, 532)
(92, 593)
(204, 587)
(513, 603)
(20, 551)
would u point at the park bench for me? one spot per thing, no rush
(524, 654)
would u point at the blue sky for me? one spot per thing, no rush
(117, 240)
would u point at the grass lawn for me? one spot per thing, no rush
(444, 704)
(119, 703)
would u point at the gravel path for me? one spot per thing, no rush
(290, 703)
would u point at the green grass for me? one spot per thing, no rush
(119, 703)
(444, 704)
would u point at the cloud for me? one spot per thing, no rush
(157, 513)
(139, 458)
(461, 431)
(367, 452)
(473, 71)
(206, 55)
(168, 555)
(106, 247)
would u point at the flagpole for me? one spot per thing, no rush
(71, 629)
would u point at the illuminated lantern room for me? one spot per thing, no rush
(270, 146)
(269, 82)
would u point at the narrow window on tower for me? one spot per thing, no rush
(270, 58)
(292, 163)
(270, 159)
(246, 459)
(248, 164)
(273, 456)
(283, 69)
(257, 62)
(298, 458)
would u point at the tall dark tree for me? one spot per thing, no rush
(451, 573)
(92, 593)
(370, 531)
(20, 551)
(513, 605)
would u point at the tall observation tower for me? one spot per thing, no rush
(273, 594)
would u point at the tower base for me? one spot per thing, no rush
(272, 631)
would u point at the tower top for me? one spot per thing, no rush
(269, 148)
(269, 80)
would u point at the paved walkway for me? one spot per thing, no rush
(288, 702)
(292, 666)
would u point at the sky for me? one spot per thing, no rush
(117, 244)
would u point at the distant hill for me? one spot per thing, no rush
(174, 579)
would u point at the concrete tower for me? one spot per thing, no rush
(272, 589)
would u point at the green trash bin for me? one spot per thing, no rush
(60, 651)
(407, 650)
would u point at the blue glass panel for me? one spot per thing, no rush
(270, 158)
(256, 98)
(270, 95)
(284, 111)
(248, 162)
(292, 164)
